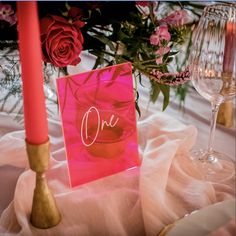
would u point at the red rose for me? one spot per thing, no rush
(61, 40)
(75, 12)
(143, 3)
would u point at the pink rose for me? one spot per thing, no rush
(61, 40)
(177, 18)
(160, 34)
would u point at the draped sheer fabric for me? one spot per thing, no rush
(139, 201)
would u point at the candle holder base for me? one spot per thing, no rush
(44, 213)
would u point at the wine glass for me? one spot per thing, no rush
(213, 73)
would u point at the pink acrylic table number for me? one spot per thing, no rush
(99, 123)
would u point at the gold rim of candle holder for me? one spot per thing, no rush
(166, 229)
(44, 212)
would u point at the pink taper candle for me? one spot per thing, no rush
(35, 114)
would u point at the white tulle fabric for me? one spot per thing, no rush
(140, 201)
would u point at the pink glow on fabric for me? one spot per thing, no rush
(99, 123)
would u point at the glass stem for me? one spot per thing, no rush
(214, 112)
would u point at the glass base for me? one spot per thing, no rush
(214, 166)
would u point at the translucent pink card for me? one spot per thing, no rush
(99, 124)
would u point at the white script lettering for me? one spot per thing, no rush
(100, 125)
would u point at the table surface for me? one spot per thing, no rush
(196, 112)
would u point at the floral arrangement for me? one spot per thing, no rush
(147, 34)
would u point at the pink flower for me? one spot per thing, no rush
(160, 34)
(163, 33)
(154, 39)
(177, 78)
(5, 10)
(7, 14)
(159, 60)
(176, 18)
(163, 50)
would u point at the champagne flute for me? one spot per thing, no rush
(213, 72)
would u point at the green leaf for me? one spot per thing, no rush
(122, 36)
(154, 92)
(140, 79)
(169, 59)
(173, 53)
(136, 103)
(166, 93)
(137, 108)
(105, 40)
(181, 91)
(97, 63)
(100, 56)
(67, 6)
(65, 14)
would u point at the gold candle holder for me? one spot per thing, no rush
(44, 213)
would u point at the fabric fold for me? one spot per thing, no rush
(139, 201)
